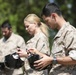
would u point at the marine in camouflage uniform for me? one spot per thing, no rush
(9, 46)
(63, 53)
(41, 43)
(64, 45)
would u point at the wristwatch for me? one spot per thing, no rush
(54, 62)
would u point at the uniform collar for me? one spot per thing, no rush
(60, 32)
(10, 38)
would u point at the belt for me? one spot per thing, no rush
(2, 66)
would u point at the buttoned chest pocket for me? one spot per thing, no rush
(31, 44)
(58, 48)
(11, 47)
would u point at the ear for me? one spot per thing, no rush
(53, 16)
(10, 29)
(35, 23)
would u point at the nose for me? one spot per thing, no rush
(26, 28)
(3, 33)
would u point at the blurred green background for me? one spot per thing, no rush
(16, 11)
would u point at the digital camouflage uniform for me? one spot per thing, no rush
(41, 43)
(9, 47)
(64, 45)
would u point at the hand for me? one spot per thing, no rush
(22, 53)
(43, 62)
(34, 51)
(31, 51)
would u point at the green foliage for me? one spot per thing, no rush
(16, 11)
(68, 10)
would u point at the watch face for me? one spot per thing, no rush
(54, 60)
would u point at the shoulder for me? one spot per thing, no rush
(70, 28)
(2, 39)
(43, 36)
(69, 32)
(16, 36)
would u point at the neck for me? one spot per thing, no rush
(6, 38)
(61, 22)
(37, 30)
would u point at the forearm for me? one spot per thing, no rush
(66, 60)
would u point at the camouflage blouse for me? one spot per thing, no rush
(64, 45)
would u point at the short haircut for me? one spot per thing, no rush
(50, 8)
(6, 24)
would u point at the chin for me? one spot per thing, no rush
(30, 33)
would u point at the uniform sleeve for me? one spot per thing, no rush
(72, 54)
(22, 44)
(71, 45)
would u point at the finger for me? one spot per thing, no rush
(41, 68)
(18, 52)
(27, 52)
(38, 61)
(37, 66)
(32, 51)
